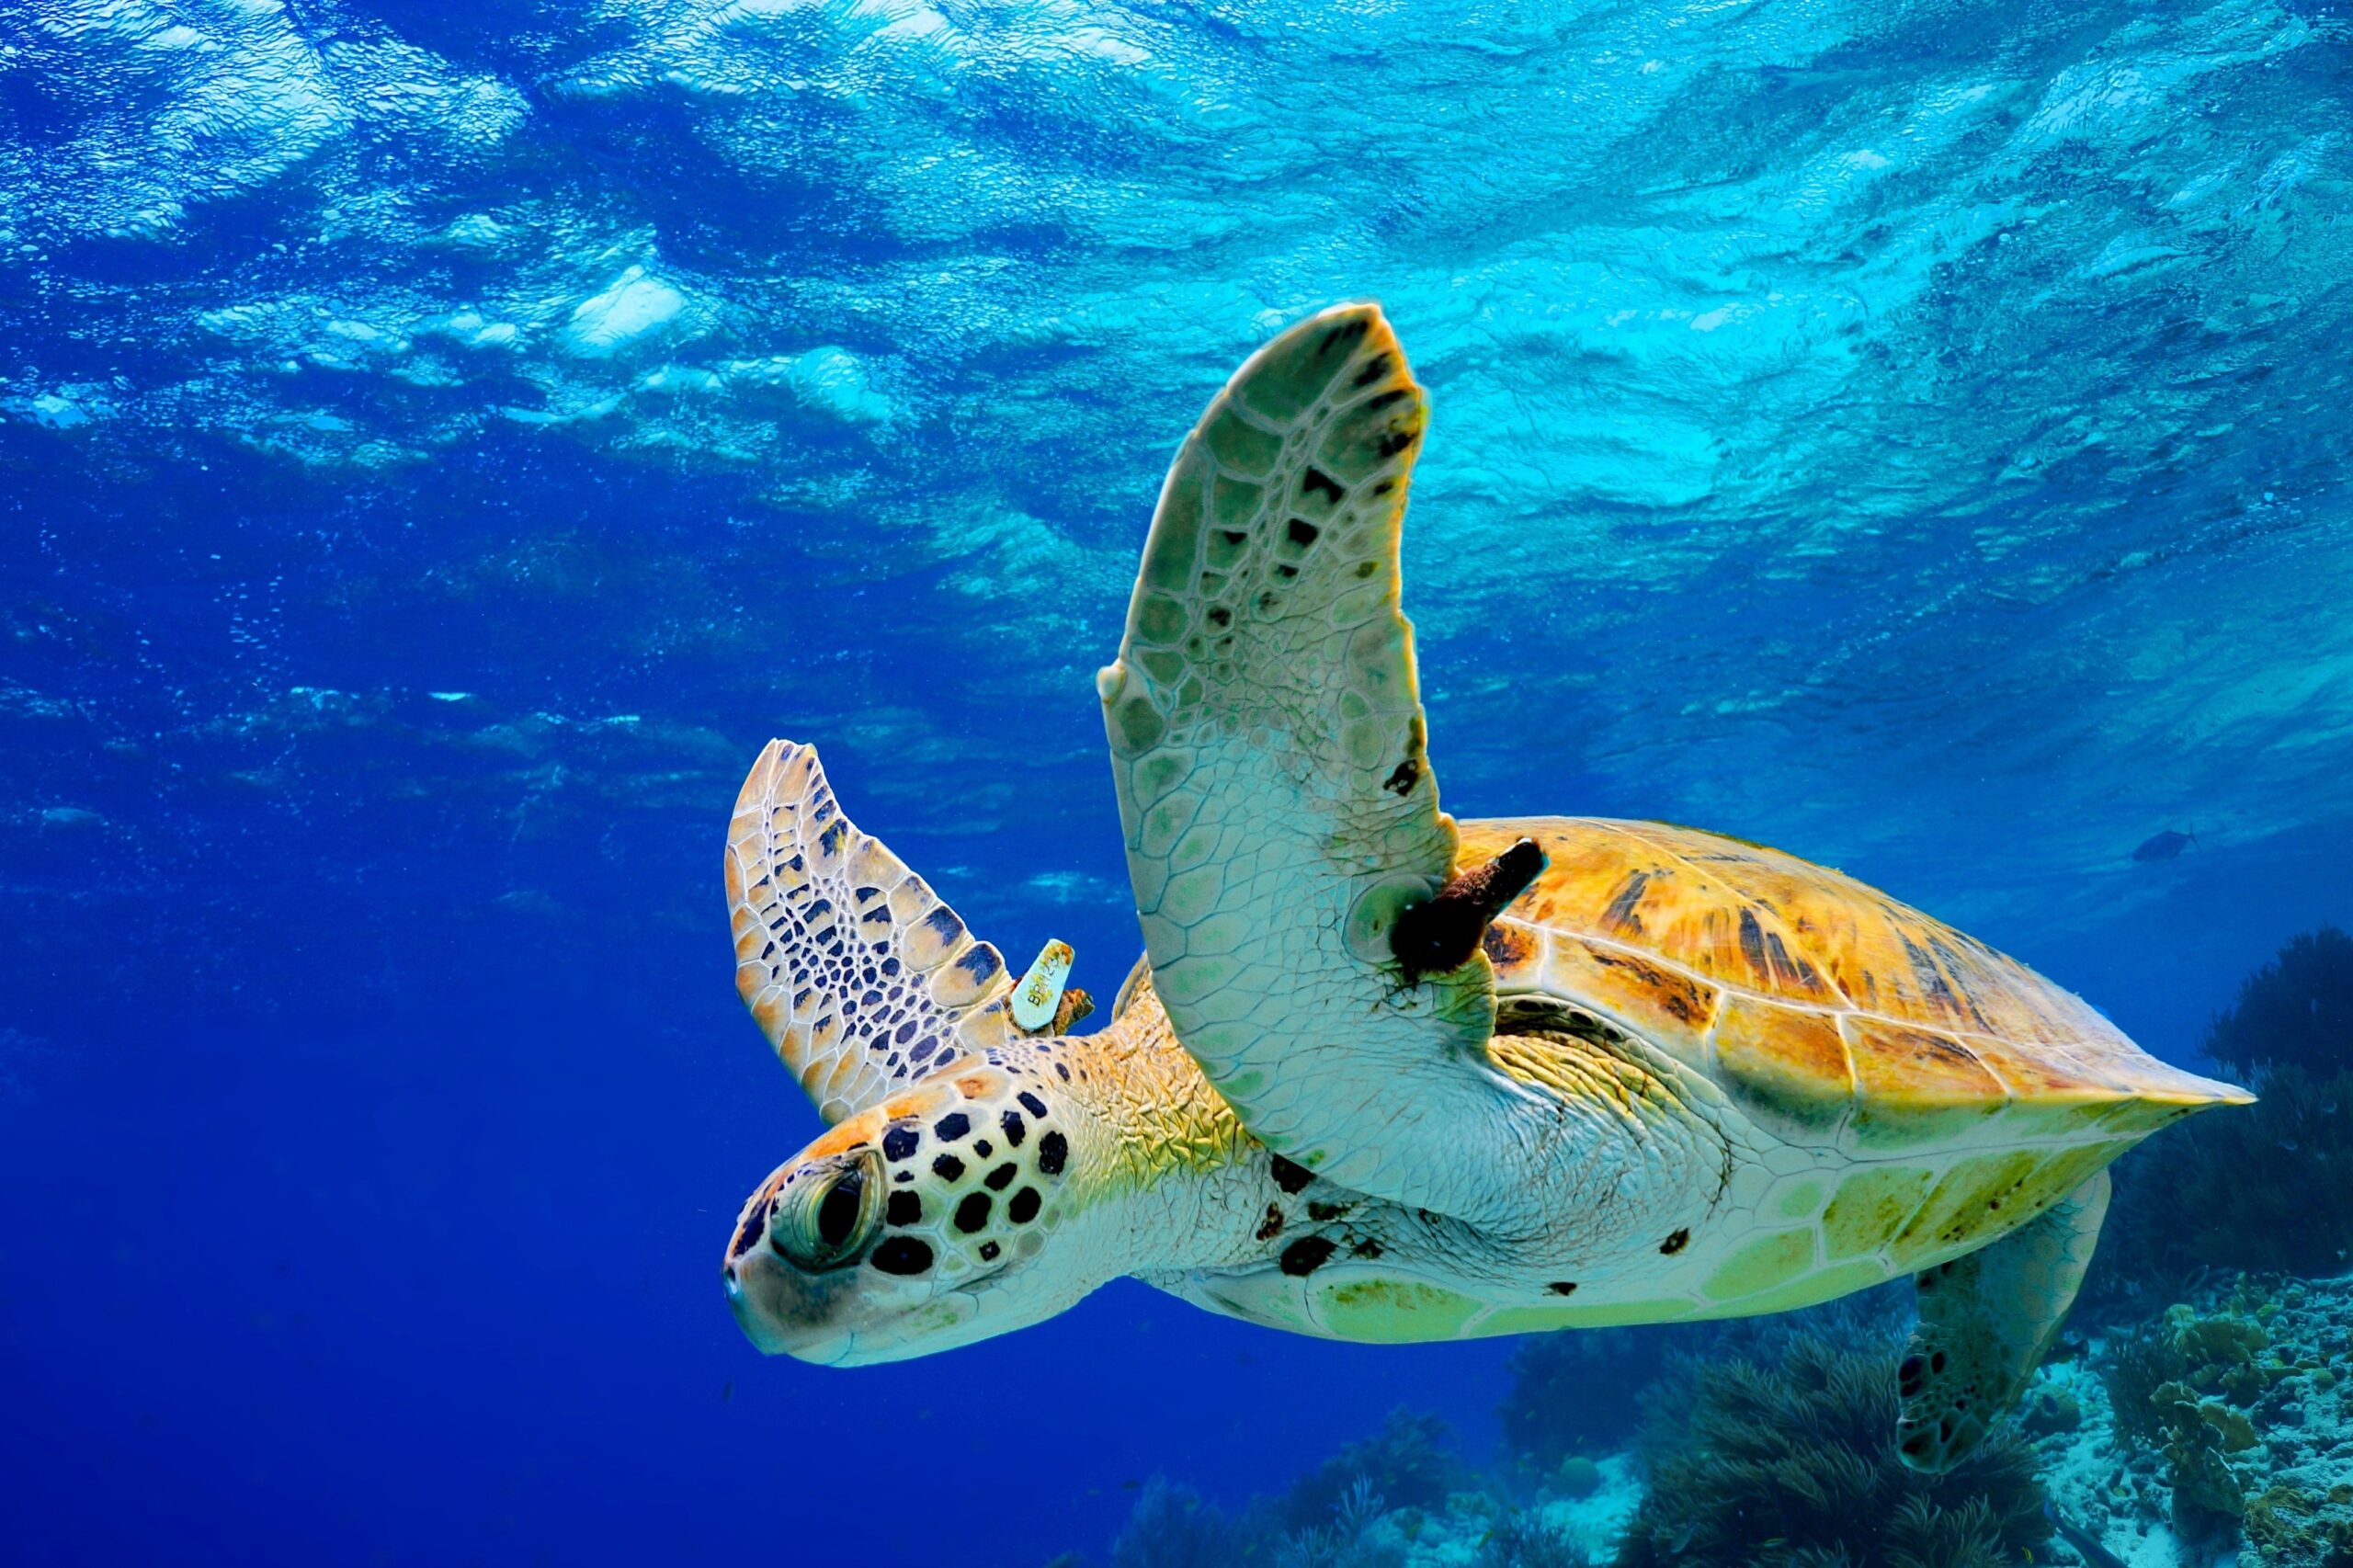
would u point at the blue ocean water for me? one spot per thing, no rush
(441, 444)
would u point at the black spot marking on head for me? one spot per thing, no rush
(1220, 617)
(1000, 1178)
(1015, 1129)
(904, 1208)
(983, 1148)
(1366, 1248)
(1301, 532)
(1366, 569)
(1289, 1176)
(1374, 369)
(1937, 1362)
(1563, 1287)
(1023, 1206)
(1053, 1152)
(988, 1252)
(1407, 774)
(1031, 1103)
(948, 1167)
(1286, 572)
(1305, 1256)
(973, 1212)
(902, 1255)
(1322, 1212)
(1674, 1243)
(1272, 1225)
(900, 1142)
(951, 1127)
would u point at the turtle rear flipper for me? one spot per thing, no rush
(1281, 813)
(861, 976)
(1985, 1320)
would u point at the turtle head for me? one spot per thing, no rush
(945, 1214)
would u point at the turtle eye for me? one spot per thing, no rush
(824, 1215)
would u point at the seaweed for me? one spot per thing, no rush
(1788, 1459)
(2297, 1010)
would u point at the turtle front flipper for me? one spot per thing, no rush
(1985, 1320)
(859, 975)
(1281, 816)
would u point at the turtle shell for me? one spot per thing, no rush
(1830, 1013)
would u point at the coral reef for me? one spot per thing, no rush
(1526, 1539)
(1790, 1459)
(1172, 1527)
(2297, 1010)
(1577, 1393)
(2222, 1425)
(1409, 1463)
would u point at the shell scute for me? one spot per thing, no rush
(1788, 1067)
(1671, 1009)
(1915, 1084)
(1745, 965)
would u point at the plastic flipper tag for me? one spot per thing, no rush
(1039, 996)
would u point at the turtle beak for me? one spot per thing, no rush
(784, 1311)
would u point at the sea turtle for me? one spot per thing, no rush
(1381, 1075)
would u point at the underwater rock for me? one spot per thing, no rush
(2290, 1527)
